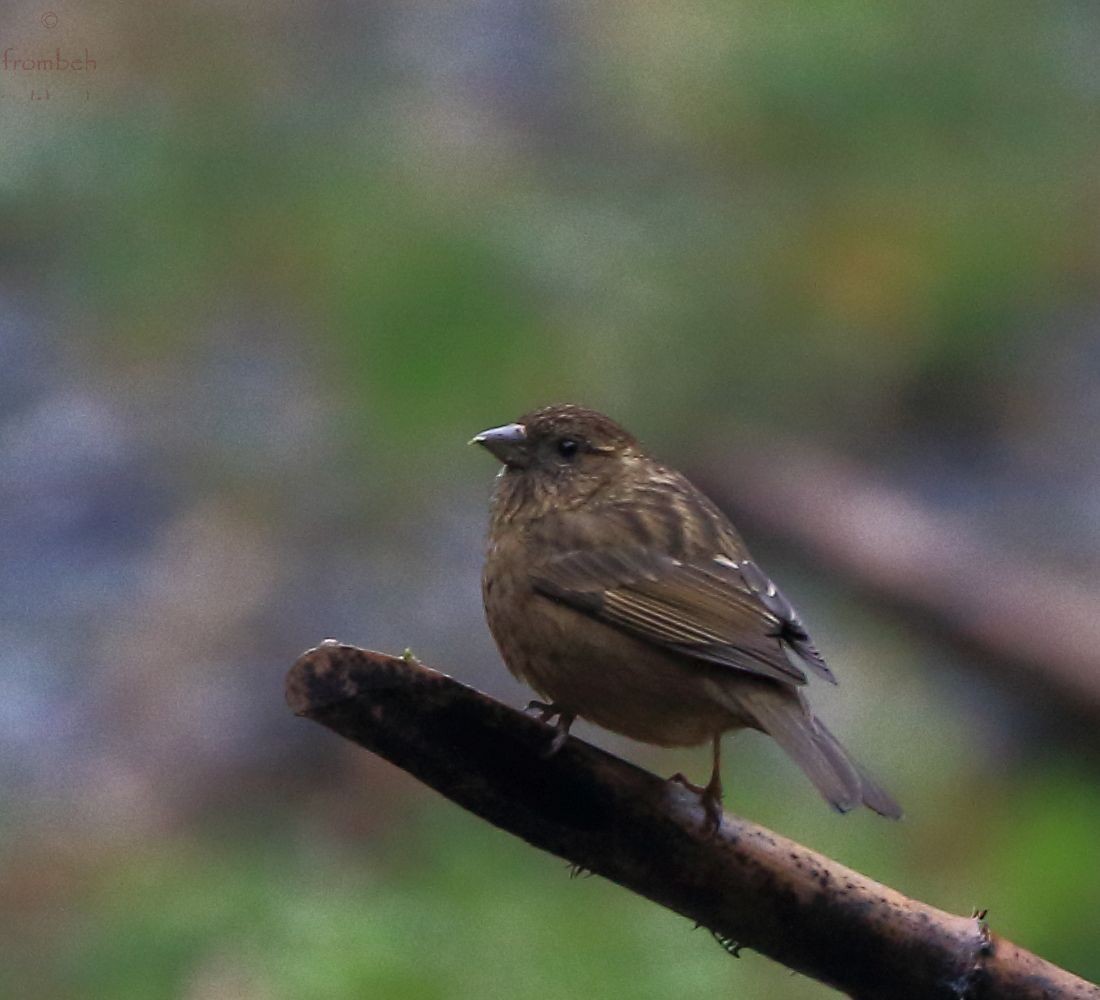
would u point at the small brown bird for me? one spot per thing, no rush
(621, 594)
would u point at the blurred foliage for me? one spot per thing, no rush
(265, 270)
(448, 908)
(765, 209)
(457, 911)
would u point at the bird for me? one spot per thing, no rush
(622, 595)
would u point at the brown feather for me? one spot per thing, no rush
(623, 595)
(696, 611)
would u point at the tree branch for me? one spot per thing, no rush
(744, 883)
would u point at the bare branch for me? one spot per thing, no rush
(746, 884)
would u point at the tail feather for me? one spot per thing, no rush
(842, 782)
(873, 795)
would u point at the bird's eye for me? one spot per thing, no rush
(567, 447)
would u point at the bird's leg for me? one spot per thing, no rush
(561, 734)
(712, 794)
(561, 727)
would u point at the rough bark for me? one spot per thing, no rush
(745, 883)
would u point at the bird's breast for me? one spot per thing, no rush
(597, 671)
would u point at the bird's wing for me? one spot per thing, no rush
(722, 610)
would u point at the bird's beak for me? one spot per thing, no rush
(508, 443)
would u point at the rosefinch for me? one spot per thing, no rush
(621, 594)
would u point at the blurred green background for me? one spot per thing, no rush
(266, 267)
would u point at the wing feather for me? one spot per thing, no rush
(722, 611)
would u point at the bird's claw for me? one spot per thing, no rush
(561, 734)
(712, 807)
(680, 779)
(711, 798)
(545, 710)
(561, 728)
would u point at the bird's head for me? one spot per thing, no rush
(562, 452)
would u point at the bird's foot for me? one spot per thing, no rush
(544, 709)
(711, 798)
(561, 734)
(680, 779)
(561, 728)
(712, 808)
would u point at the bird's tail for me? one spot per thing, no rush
(843, 783)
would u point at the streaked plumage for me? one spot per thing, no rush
(621, 594)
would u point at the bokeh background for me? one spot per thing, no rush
(266, 267)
